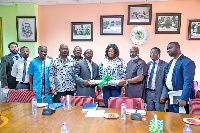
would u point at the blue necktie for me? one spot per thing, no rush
(16, 57)
(151, 75)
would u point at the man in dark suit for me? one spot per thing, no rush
(86, 70)
(155, 82)
(7, 61)
(180, 76)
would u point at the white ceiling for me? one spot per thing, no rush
(55, 2)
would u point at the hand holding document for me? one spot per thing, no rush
(175, 96)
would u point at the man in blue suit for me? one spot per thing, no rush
(180, 76)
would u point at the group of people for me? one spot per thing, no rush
(66, 75)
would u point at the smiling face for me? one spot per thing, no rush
(42, 52)
(111, 53)
(154, 54)
(88, 55)
(77, 52)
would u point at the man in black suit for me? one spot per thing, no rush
(7, 61)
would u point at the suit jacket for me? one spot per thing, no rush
(6, 67)
(82, 73)
(183, 76)
(160, 78)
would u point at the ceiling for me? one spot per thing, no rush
(55, 2)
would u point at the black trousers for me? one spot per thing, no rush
(56, 98)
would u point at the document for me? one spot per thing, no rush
(175, 96)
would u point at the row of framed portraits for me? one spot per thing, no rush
(166, 23)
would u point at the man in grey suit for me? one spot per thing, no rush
(86, 70)
(7, 61)
(155, 82)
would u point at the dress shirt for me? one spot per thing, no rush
(61, 75)
(18, 68)
(90, 67)
(154, 75)
(169, 75)
(115, 68)
(14, 57)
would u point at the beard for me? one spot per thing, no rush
(14, 52)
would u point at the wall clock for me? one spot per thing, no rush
(139, 35)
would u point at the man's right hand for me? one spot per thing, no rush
(6, 87)
(86, 83)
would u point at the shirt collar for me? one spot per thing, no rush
(14, 54)
(156, 62)
(88, 61)
(177, 58)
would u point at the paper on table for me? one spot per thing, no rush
(95, 113)
(42, 104)
(129, 111)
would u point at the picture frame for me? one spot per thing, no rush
(26, 28)
(139, 14)
(168, 23)
(194, 29)
(111, 25)
(81, 31)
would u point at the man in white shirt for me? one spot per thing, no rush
(20, 67)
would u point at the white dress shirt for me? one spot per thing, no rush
(90, 67)
(154, 75)
(18, 68)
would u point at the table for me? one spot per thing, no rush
(22, 120)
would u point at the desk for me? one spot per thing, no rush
(21, 120)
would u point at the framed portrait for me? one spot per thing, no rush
(139, 14)
(81, 31)
(194, 29)
(168, 23)
(111, 25)
(26, 29)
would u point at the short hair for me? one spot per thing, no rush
(77, 47)
(12, 43)
(23, 47)
(86, 51)
(157, 49)
(116, 50)
(42, 46)
(136, 48)
(175, 43)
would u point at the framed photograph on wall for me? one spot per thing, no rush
(168, 23)
(26, 29)
(111, 25)
(194, 29)
(139, 14)
(81, 31)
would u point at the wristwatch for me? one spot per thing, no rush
(126, 82)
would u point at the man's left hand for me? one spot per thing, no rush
(49, 90)
(182, 102)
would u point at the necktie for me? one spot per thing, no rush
(151, 75)
(16, 57)
(24, 71)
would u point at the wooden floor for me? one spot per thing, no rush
(22, 120)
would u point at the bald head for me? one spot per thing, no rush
(134, 51)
